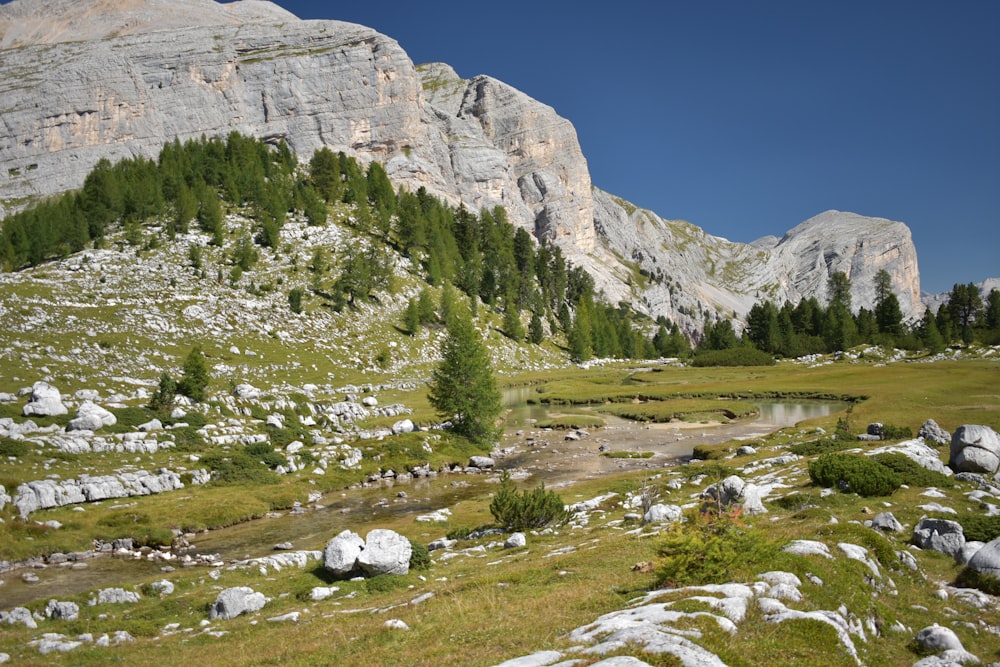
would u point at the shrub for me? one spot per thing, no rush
(893, 432)
(16, 448)
(737, 356)
(264, 452)
(987, 583)
(710, 548)
(239, 468)
(823, 446)
(979, 527)
(521, 510)
(853, 473)
(420, 557)
(910, 472)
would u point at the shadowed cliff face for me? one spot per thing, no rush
(142, 72)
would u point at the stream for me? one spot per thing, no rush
(546, 455)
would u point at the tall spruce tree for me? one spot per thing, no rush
(462, 387)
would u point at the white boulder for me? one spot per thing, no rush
(45, 401)
(340, 556)
(233, 602)
(385, 552)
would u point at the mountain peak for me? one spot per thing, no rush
(35, 22)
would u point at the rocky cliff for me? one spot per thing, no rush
(84, 81)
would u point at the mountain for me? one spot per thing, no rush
(85, 81)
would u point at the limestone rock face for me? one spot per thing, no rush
(118, 79)
(691, 270)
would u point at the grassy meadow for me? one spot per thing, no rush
(488, 604)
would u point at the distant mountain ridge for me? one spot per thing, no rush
(85, 81)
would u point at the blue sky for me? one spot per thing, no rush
(747, 118)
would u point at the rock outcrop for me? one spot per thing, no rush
(106, 80)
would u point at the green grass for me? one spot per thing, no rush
(688, 410)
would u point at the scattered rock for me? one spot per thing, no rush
(481, 462)
(396, 624)
(942, 535)
(887, 523)
(65, 611)
(91, 417)
(114, 596)
(661, 513)
(403, 426)
(233, 602)
(18, 615)
(931, 432)
(320, 593)
(246, 392)
(726, 492)
(515, 541)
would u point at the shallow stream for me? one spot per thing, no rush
(545, 454)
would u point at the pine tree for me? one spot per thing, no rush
(462, 387)
(162, 399)
(536, 334)
(195, 379)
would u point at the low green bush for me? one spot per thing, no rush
(910, 472)
(420, 557)
(893, 432)
(737, 356)
(979, 527)
(987, 583)
(522, 510)
(853, 473)
(16, 448)
(264, 452)
(239, 468)
(822, 446)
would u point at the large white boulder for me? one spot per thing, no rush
(90, 417)
(385, 552)
(340, 556)
(975, 448)
(45, 401)
(987, 559)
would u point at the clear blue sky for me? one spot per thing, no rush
(747, 118)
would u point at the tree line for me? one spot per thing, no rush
(812, 328)
(481, 254)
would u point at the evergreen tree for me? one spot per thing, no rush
(536, 334)
(425, 307)
(462, 387)
(580, 335)
(929, 334)
(512, 319)
(162, 399)
(295, 299)
(992, 317)
(965, 306)
(196, 376)
(888, 316)
(411, 317)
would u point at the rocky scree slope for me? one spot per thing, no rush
(117, 80)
